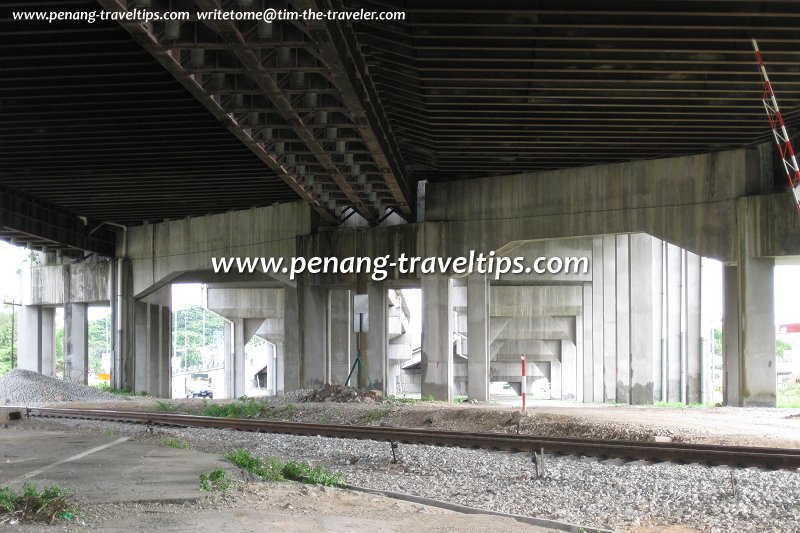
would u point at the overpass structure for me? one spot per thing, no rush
(628, 133)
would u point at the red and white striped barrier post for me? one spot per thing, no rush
(524, 382)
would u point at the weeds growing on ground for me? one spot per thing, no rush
(121, 392)
(217, 479)
(244, 408)
(34, 505)
(427, 398)
(273, 469)
(171, 442)
(166, 407)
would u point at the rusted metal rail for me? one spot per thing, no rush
(739, 456)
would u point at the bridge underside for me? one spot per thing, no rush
(631, 133)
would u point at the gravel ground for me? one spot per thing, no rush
(579, 491)
(24, 387)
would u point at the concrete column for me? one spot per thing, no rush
(339, 326)
(124, 361)
(437, 327)
(280, 369)
(569, 381)
(236, 371)
(597, 323)
(141, 359)
(694, 333)
(643, 280)
(375, 352)
(314, 354)
(610, 305)
(731, 392)
(555, 380)
(37, 347)
(587, 344)
(76, 342)
(752, 360)
(228, 361)
(673, 269)
(152, 345)
(623, 334)
(478, 318)
(293, 339)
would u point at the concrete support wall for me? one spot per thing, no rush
(375, 351)
(478, 318)
(749, 323)
(340, 328)
(37, 347)
(152, 345)
(437, 327)
(293, 339)
(76, 342)
(314, 320)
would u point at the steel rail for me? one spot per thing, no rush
(737, 456)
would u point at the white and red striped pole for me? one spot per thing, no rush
(524, 387)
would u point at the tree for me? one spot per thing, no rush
(8, 331)
(190, 335)
(781, 347)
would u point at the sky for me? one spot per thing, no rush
(787, 288)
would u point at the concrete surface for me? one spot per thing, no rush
(102, 469)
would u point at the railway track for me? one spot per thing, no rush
(738, 456)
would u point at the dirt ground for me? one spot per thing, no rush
(287, 507)
(711, 425)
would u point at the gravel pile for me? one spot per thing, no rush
(343, 394)
(579, 491)
(24, 387)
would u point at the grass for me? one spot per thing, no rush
(789, 395)
(271, 468)
(400, 400)
(217, 479)
(679, 405)
(105, 387)
(171, 442)
(166, 407)
(45, 505)
(244, 408)
(109, 432)
(379, 414)
(427, 398)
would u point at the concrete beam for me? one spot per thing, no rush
(27, 222)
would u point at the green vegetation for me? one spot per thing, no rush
(781, 347)
(244, 408)
(427, 398)
(8, 329)
(460, 399)
(217, 479)
(120, 392)
(192, 329)
(34, 505)
(379, 413)
(400, 400)
(166, 407)
(171, 442)
(273, 469)
(789, 395)
(109, 432)
(679, 405)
